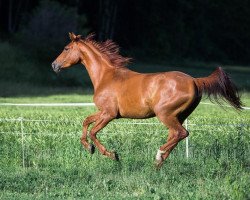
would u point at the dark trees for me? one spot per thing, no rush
(205, 30)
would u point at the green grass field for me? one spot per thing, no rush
(48, 162)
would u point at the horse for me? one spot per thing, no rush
(122, 93)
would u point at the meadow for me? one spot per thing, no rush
(42, 158)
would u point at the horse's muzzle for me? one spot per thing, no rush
(56, 67)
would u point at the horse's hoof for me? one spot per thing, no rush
(91, 148)
(158, 164)
(115, 156)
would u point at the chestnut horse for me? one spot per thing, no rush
(122, 93)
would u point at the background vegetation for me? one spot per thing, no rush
(172, 34)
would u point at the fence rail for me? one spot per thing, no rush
(83, 104)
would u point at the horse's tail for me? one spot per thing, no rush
(219, 84)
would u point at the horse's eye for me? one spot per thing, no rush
(66, 48)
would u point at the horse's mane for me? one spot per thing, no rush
(109, 49)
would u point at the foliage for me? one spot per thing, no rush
(204, 30)
(197, 30)
(47, 28)
(22, 74)
(16, 65)
(42, 37)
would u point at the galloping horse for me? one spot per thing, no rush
(122, 93)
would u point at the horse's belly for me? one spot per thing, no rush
(135, 112)
(136, 115)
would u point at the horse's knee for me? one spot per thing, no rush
(180, 134)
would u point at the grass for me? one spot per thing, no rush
(56, 166)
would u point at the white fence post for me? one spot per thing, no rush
(22, 133)
(187, 138)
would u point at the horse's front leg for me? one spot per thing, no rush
(103, 120)
(89, 120)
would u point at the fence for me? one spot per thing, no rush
(29, 129)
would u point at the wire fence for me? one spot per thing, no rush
(34, 135)
(33, 142)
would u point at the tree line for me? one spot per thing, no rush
(205, 30)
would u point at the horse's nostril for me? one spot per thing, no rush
(53, 65)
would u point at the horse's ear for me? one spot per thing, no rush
(78, 37)
(72, 36)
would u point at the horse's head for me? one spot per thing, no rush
(69, 56)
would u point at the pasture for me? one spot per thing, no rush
(41, 155)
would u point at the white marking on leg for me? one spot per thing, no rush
(158, 155)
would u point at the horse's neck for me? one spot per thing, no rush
(95, 65)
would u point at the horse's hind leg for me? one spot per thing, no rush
(176, 133)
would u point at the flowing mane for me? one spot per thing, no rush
(109, 49)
